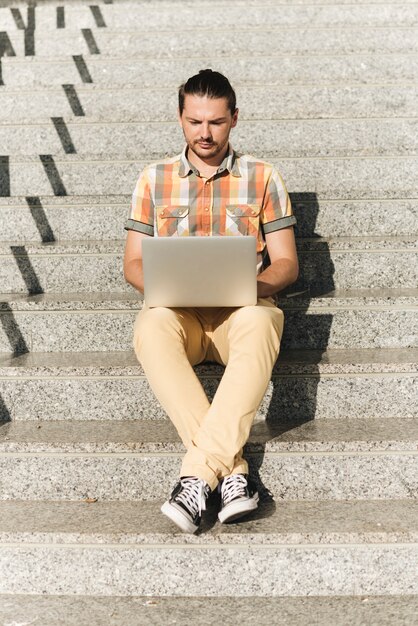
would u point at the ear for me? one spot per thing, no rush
(235, 118)
(179, 118)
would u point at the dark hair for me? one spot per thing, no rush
(210, 84)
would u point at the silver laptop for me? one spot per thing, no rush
(200, 271)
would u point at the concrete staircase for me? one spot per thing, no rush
(327, 91)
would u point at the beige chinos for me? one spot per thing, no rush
(169, 342)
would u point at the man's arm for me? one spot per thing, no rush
(132, 262)
(284, 268)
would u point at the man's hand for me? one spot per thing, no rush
(132, 262)
(284, 268)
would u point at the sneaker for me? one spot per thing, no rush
(186, 503)
(239, 496)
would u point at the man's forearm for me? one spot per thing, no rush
(134, 274)
(276, 277)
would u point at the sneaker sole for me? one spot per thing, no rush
(178, 518)
(238, 509)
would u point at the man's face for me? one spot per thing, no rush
(206, 124)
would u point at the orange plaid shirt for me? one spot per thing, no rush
(245, 196)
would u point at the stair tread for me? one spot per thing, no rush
(141, 523)
(159, 436)
(367, 360)
(132, 300)
(116, 610)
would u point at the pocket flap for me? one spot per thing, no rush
(177, 211)
(243, 210)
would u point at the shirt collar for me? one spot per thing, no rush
(230, 163)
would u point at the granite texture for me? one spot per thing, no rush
(98, 266)
(316, 328)
(148, 476)
(210, 571)
(151, 611)
(94, 394)
(100, 220)
(285, 523)
(105, 436)
(294, 70)
(257, 102)
(187, 43)
(356, 178)
(272, 139)
(183, 16)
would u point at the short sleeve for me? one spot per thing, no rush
(277, 209)
(141, 217)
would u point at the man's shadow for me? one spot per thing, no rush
(293, 398)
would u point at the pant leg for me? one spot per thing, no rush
(168, 342)
(248, 341)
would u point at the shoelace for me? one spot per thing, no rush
(232, 487)
(194, 494)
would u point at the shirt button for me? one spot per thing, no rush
(206, 208)
(207, 182)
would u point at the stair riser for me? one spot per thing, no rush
(289, 476)
(287, 139)
(302, 70)
(320, 270)
(332, 179)
(239, 571)
(324, 219)
(270, 102)
(104, 331)
(178, 16)
(191, 43)
(294, 397)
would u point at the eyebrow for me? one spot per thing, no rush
(193, 119)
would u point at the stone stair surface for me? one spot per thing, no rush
(327, 92)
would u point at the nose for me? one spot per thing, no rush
(205, 131)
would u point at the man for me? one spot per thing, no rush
(209, 189)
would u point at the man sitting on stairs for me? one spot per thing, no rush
(209, 177)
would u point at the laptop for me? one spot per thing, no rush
(200, 271)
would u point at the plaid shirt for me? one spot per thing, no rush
(245, 196)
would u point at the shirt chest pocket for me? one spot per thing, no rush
(242, 219)
(172, 220)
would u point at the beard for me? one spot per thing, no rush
(209, 152)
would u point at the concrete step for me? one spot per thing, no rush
(343, 70)
(255, 103)
(335, 384)
(272, 139)
(179, 16)
(349, 548)
(319, 460)
(94, 217)
(158, 43)
(355, 178)
(96, 322)
(96, 266)
(151, 610)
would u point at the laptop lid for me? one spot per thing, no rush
(200, 271)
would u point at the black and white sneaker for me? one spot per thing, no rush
(239, 496)
(186, 503)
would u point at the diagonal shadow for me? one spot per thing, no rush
(98, 16)
(4, 176)
(90, 41)
(40, 219)
(26, 269)
(64, 135)
(54, 177)
(73, 100)
(12, 331)
(82, 68)
(60, 17)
